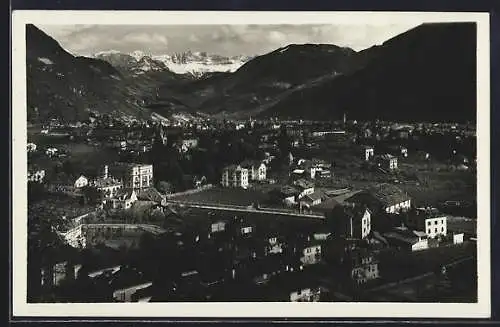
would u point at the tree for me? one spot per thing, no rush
(92, 195)
(164, 187)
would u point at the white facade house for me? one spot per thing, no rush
(369, 152)
(81, 181)
(392, 198)
(36, 175)
(31, 147)
(135, 176)
(366, 224)
(108, 186)
(306, 295)
(428, 220)
(257, 170)
(458, 238)
(305, 188)
(51, 152)
(141, 176)
(189, 144)
(410, 240)
(125, 294)
(235, 176)
(365, 270)
(218, 226)
(388, 161)
(274, 246)
(436, 226)
(311, 254)
(397, 207)
(124, 199)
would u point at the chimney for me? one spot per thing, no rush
(105, 171)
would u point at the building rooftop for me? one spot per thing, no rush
(387, 157)
(289, 190)
(250, 163)
(317, 195)
(428, 212)
(106, 182)
(389, 194)
(303, 184)
(402, 237)
(150, 194)
(124, 194)
(232, 168)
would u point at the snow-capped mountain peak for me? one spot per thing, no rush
(194, 63)
(138, 54)
(107, 52)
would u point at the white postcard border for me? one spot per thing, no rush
(481, 309)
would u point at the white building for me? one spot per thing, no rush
(36, 175)
(369, 152)
(306, 295)
(305, 187)
(189, 144)
(458, 238)
(311, 254)
(428, 220)
(135, 176)
(218, 226)
(312, 199)
(125, 294)
(354, 220)
(257, 170)
(388, 161)
(235, 176)
(124, 199)
(407, 239)
(274, 246)
(31, 147)
(109, 186)
(365, 269)
(436, 226)
(51, 152)
(81, 181)
(391, 198)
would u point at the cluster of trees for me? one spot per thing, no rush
(215, 151)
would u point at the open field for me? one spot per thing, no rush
(396, 265)
(83, 157)
(227, 196)
(462, 225)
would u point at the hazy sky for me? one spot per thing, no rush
(226, 40)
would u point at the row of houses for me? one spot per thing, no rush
(311, 169)
(386, 161)
(119, 188)
(241, 175)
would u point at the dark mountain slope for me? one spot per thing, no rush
(427, 73)
(261, 79)
(60, 85)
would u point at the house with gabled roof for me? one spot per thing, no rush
(123, 199)
(257, 170)
(384, 197)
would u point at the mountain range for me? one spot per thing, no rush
(425, 74)
(193, 63)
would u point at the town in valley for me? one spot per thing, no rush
(192, 206)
